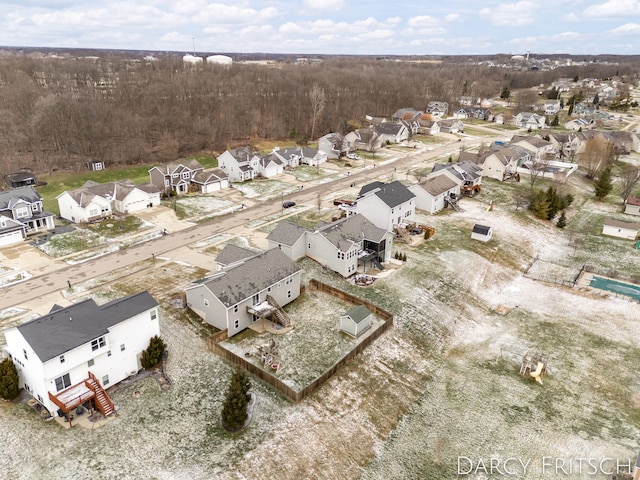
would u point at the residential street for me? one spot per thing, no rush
(59, 275)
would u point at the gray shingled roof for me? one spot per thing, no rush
(434, 186)
(392, 194)
(287, 233)
(612, 222)
(232, 254)
(211, 175)
(358, 313)
(353, 229)
(252, 276)
(65, 329)
(8, 198)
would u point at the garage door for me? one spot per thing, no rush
(10, 238)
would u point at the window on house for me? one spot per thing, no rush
(63, 382)
(235, 309)
(167, 182)
(25, 354)
(98, 343)
(289, 294)
(109, 353)
(61, 358)
(154, 314)
(206, 302)
(39, 398)
(268, 289)
(91, 362)
(105, 380)
(256, 299)
(236, 324)
(122, 348)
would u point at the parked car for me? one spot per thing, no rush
(288, 204)
(353, 156)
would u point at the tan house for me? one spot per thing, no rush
(620, 229)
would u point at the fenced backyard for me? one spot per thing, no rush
(217, 344)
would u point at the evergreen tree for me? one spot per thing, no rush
(562, 221)
(570, 109)
(539, 204)
(153, 353)
(234, 409)
(555, 122)
(8, 380)
(505, 94)
(603, 184)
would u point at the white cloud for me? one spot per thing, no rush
(376, 34)
(218, 13)
(324, 4)
(423, 21)
(614, 8)
(571, 17)
(626, 29)
(511, 14)
(452, 17)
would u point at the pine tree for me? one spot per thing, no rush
(234, 410)
(505, 94)
(603, 184)
(8, 380)
(539, 204)
(555, 122)
(562, 220)
(153, 353)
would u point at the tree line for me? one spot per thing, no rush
(61, 113)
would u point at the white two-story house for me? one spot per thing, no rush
(67, 357)
(386, 205)
(240, 164)
(341, 246)
(231, 298)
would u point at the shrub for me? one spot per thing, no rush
(8, 380)
(562, 221)
(153, 353)
(234, 409)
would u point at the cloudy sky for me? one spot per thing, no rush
(327, 26)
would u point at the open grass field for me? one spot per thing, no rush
(442, 384)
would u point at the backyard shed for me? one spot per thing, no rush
(481, 232)
(620, 229)
(356, 320)
(632, 205)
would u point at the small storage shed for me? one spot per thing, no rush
(96, 165)
(356, 320)
(481, 232)
(632, 205)
(617, 228)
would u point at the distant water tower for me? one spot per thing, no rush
(219, 60)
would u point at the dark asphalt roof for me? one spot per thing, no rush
(392, 194)
(66, 328)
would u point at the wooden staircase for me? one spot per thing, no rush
(281, 316)
(103, 402)
(403, 234)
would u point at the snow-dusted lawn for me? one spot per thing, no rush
(203, 207)
(311, 348)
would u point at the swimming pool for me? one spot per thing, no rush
(614, 286)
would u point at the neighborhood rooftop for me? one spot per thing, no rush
(392, 194)
(64, 329)
(287, 233)
(254, 275)
(353, 229)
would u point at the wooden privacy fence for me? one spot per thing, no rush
(286, 390)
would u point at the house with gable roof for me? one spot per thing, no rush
(175, 176)
(437, 109)
(503, 163)
(294, 156)
(233, 298)
(537, 146)
(632, 205)
(332, 145)
(386, 205)
(530, 120)
(210, 180)
(393, 132)
(22, 214)
(69, 356)
(270, 165)
(356, 320)
(363, 139)
(94, 201)
(432, 193)
(240, 164)
(341, 246)
(465, 173)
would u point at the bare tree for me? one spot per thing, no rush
(598, 155)
(318, 102)
(537, 166)
(628, 180)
